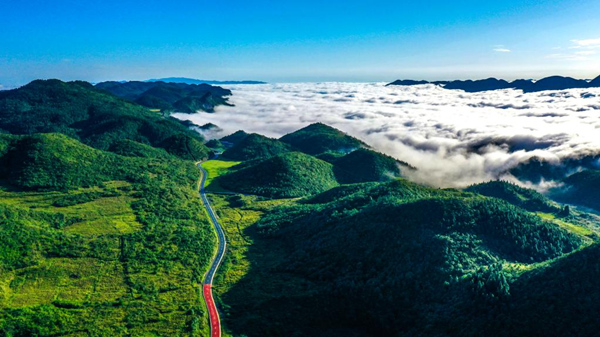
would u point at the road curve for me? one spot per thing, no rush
(215, 323)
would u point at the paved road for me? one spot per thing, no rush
(215, 323)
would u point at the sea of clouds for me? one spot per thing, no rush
(454, 138)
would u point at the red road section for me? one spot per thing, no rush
(215, 324)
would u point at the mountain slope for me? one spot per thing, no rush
(478, 85)
(547, 83)
(196, 81)
(364, 165)
(287, 175)
(235, 137)
(98, 243)
(255, 146)
(557, 300)
(180, 97)
(516, 195)
(379, 259)
(78, 110)
(318, 138)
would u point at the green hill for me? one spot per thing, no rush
(287, 175)
(98, 243)
(556, 300)
(516, 195)
(131, 148)
(364, 165)
(57, 162)
(78, 110)
(235, 137)
(318, 138)
(255, 146)
(382, 259)
(186, 147)
(180, 97)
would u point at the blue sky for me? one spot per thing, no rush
(297, 41)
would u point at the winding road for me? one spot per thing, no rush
(215, 323)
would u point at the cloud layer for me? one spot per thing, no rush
(453, 138)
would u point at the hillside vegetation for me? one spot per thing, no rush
(271, 178)
(287, 175)
(95, 243)
(96, 118)
(384, 259)
(516, 195)
(180, 97)
(235, 137)
(364, 165)
(255, 146)
(318, 138)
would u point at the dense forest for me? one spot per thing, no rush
(387, 259)
(390, 257)
(168, 97)
(96, 118)
(318, 138)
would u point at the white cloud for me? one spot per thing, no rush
(454, 138)
(585, 49)
(569, 57)
(589, 43)
(586, 52)
(502, 50)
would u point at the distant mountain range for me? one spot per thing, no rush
(195, 81)
(548, 83)
(169, 97)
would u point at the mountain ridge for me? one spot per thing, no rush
(488, 84)
(188, 80)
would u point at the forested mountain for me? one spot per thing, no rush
(386, 259)
(298, 174)
(196, 81)
(180, 97)
(547, 83)
(235, 137)
(255, 146)
(364, 165)
(516, 195)
(318, 138)
(537, 169)
(100, 231)
(80, 111)
(287, 175)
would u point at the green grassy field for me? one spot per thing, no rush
(216, 168)
(109, 277)
(110, 214)
(577, 229)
